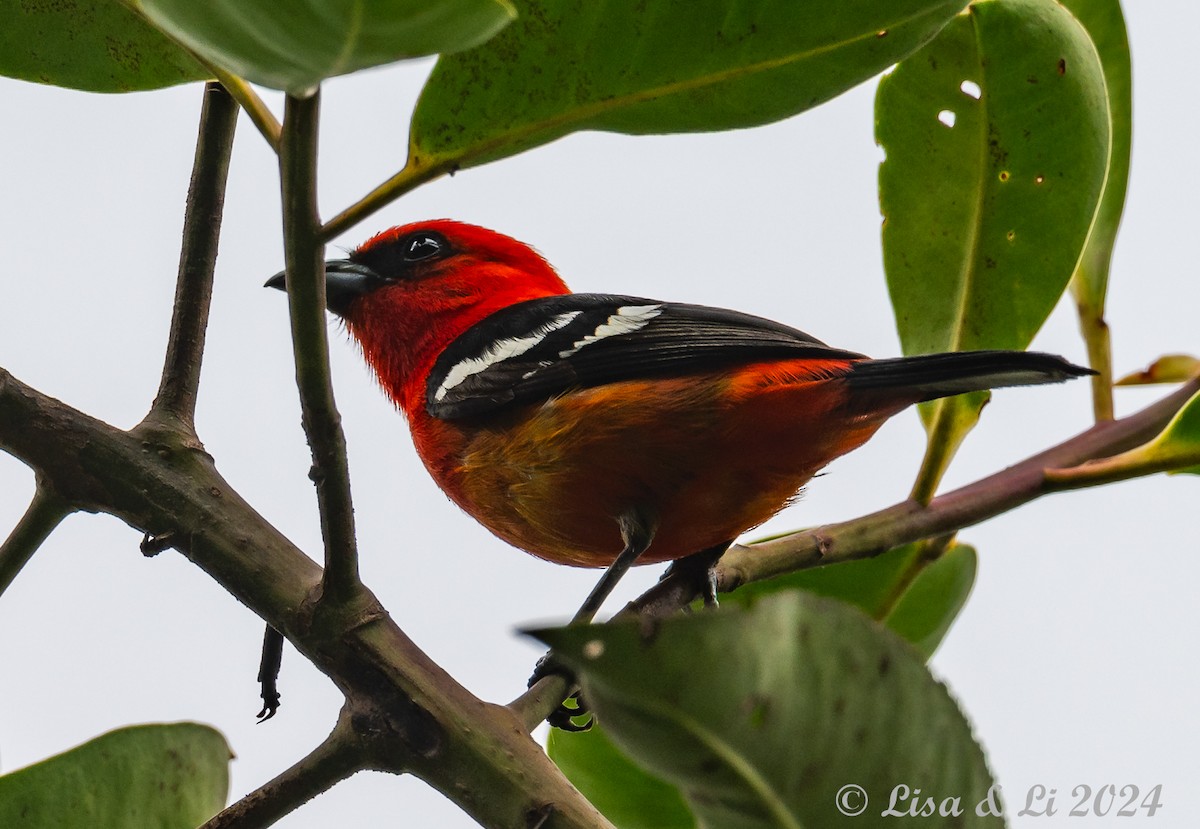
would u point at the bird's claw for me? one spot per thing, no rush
(563, 716)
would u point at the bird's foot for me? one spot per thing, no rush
(700, 570)
(569, 709)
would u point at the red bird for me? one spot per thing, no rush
(598, 430)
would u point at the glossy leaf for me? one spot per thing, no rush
(294, 46)
(656, 66)
(926, 610)
(761, 715)
(626, 794)
(868, 583)
(921, 611)
(165, 776)
(94, 45)
(997, 139)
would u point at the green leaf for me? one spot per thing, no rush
(869, 583)
(1175, 449)
(656, 66)
(1169, 368)
(94, 45)
(985, 219)
(1104, 22)
(165, 776)
(929, 606)
(919, 608)
(628, 796)
(294, 46)
(761, 716)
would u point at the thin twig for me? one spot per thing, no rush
(197, 258)
(332, 761)
(902, 523)
(412, 176)
(45, 512)
(304, 253)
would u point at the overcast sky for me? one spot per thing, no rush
(1075, 658)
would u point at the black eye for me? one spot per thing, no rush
(422, 246)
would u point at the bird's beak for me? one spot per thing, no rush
(344, 282)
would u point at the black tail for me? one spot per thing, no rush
(930, 376)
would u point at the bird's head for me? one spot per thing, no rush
(407, 292)
(431, 257)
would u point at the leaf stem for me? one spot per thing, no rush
(197, 259)
(304, 254)
(1098, 338)
(260, 114)
(413, 175)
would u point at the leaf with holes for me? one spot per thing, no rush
(173, 775)
(761, 715)
(997, 140)
(294, 46)
(656, 66)
(93, 45)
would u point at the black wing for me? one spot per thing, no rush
(537, 349)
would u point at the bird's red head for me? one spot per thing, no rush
(407, 292)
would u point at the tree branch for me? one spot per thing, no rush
(410, 715)
(335, 759)
(176, 397)
(902, 523)
(46, 511)
(304, 254)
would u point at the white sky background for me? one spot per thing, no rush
(1075, 658)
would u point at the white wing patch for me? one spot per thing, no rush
(499, 352)
(626, 320)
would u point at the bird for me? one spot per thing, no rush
(604, 430)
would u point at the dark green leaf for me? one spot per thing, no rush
(867, 583)
(929, 606)
(761, 716)
(921, 611)
(163, 776)
(296, 45)
(656, 66)
(628, 796)
(997, 139)
(95, 45)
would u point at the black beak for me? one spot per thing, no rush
(345, 281)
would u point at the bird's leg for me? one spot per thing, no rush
(268, 672)
(701, 570)
(636, 532)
